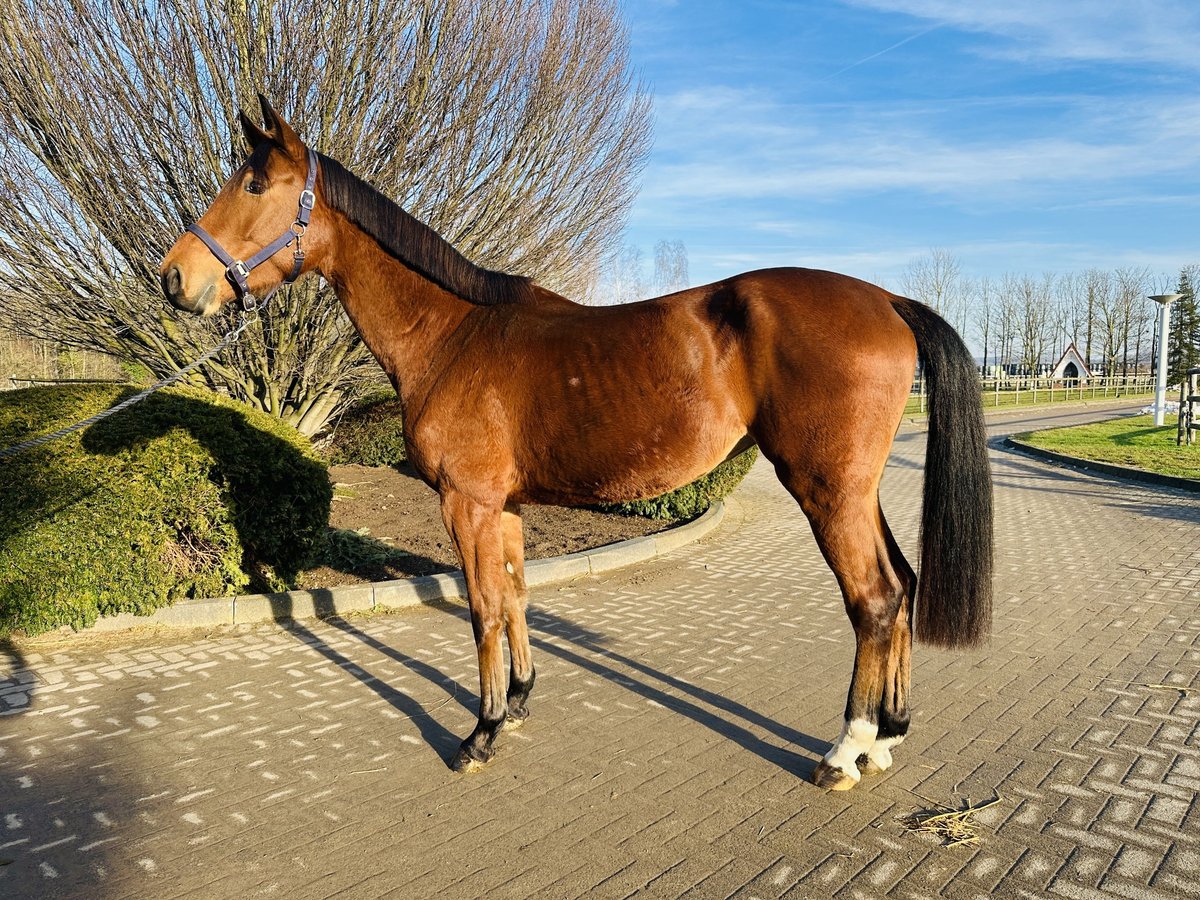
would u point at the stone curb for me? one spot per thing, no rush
(383, 595)
(1088, 465)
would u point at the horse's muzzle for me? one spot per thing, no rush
(172, 285)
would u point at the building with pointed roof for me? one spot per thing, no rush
(1071, 366)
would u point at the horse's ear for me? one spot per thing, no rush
(270, 118)
(279, 131)
(254, 134)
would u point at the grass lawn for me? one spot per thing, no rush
(1125, 442)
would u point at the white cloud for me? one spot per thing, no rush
(1155, 32)
(1055, 163)
(741, 144)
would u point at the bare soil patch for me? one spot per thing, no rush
(387, 524)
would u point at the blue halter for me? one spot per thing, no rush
(238, 272)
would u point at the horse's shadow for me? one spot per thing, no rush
(437, 736)
(575, 645)
(587, 651)
(705, 707)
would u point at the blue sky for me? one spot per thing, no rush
(1024, 136)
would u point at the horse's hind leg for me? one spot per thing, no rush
(852, 534)
(893, 706)
(521, 671)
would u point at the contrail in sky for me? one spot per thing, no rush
(866, 59)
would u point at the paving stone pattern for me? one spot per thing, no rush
(680, 706)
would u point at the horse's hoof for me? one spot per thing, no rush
(466, 761)
(831, 778)
(514, 720)
(875, 761)
(867, 766)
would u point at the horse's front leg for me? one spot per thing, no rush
(475, 529)
(521, 671)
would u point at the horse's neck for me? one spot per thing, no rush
(404, 319)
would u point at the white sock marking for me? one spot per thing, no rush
(857, 737)
(881, 751)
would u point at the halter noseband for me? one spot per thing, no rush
(238, 272)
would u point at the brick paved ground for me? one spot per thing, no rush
(680, 706)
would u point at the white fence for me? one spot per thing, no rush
(1022, 390)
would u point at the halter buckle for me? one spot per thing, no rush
(238, 270)
(249, 302)
(307, 199)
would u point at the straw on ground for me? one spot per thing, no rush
(955, 827)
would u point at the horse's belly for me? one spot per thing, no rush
(578, 473)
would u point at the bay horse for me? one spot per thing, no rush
(512, 394)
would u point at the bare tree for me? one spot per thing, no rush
(1107, 307)
(1008, 319)
(1073, 318)
(1143, 330)
(1100, 322)
(1033, 312)
(987, 310)
(1131, 287)
(1060, 323)
(670, 266)
(623, 276)
(935, 280)
(514, 127)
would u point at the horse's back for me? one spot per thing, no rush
(831, 316)
(590, 404)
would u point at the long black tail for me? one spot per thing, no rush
(954, 589)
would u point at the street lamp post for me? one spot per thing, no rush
(1164, 302)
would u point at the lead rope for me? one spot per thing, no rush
(230, 337)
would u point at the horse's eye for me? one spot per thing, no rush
(255, 187)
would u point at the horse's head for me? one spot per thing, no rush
(265, 205)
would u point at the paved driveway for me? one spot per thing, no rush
(680, 705)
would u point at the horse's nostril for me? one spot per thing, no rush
(172, 281)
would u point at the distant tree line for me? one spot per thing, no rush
(1023, 323)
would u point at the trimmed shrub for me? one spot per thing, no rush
(692, 499)
(371, 433)
(186, 494)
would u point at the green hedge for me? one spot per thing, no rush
(370, 433)
(692, 499)
(186, 494)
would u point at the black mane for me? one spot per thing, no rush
(414, 243)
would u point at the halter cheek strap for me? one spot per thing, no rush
(238, 272)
